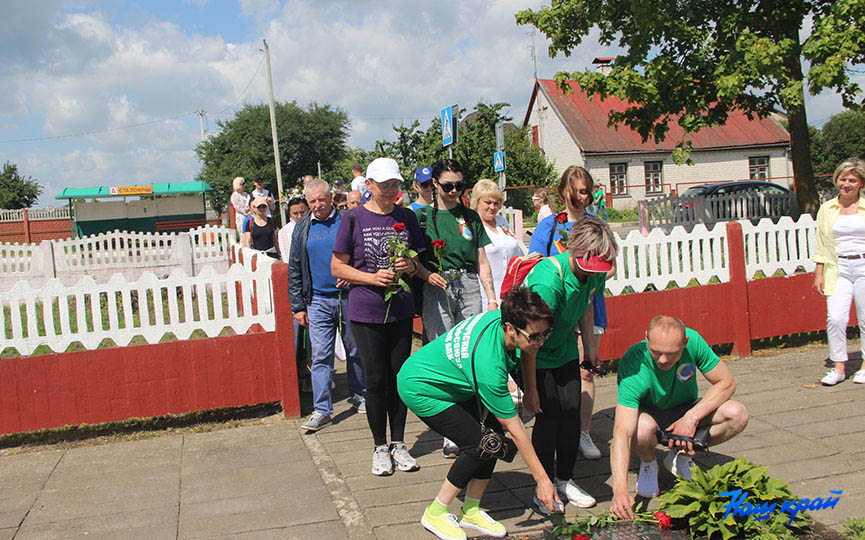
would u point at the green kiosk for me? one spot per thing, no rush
(165, 207)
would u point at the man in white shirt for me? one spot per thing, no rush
(358, 183)
(259, 191)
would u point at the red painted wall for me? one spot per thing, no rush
(27, 232)
(106, 385)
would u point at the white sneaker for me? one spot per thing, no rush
(574, 493)
(859, 377)
(647, 481)
(832, 378)
(679, 464)
(402, 459)
(382, 465)
(587, 447)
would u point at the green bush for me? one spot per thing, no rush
(696, 502)
(623, 215)
(854, 529)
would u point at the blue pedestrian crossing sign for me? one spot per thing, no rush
(447, 126)
(499, 161)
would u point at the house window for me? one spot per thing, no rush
(654, 178)
(758, 167)
(619, 178)
(535, 137)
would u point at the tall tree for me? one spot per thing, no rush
(244, 146)
(842, 137)
(476, 142)
(17, 191)
(693, 61)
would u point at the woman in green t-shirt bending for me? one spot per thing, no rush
(438, 384)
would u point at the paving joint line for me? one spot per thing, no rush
(180, 486)
(351, 514)
(38, 493)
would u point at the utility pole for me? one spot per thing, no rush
(201, 123)
(273, 132)
(319, 169)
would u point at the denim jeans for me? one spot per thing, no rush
(324, 318)
(439, 316)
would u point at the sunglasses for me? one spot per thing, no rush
(425, 185)
(538, 337)
(447, 187)
(261, 206)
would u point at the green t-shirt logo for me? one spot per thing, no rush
(465, 230)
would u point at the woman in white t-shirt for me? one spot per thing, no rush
(487, 200)
(840, 264)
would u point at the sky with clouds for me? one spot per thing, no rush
(106, 92)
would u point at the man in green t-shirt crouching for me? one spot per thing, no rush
(657, 392)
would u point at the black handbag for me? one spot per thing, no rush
(493, 445)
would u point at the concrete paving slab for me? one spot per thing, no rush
(244, 480)
(65, 508)
(28, 468)
(8, 533)
(217, 459)
(331, 530)
(230, 516)
(165, 517)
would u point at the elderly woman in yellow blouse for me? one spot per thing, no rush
(840, 258)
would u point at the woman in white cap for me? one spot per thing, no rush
(381, 328)
(260, 232)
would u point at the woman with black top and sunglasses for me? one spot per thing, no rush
(259, 232)
(452, 292)
(438, 384)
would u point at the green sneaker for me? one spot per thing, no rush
(445, 526)
(481, 521)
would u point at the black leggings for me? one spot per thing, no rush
(460, 424)
(383, 348)
(556, 435)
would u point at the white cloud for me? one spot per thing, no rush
(383, 62)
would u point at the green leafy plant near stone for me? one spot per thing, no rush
(854, 529)
(697, 503)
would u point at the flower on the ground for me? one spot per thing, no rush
(562, 217)
(581, 537)
(399, 226)
(664, 521)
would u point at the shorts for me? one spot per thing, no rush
(665, 418)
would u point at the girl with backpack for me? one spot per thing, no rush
(550, 238)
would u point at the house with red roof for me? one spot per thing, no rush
(571, 129)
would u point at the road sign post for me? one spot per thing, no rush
(450, 121)
(500, 147)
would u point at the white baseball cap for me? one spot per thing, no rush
(383, 169)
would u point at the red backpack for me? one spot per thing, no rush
(519, 267)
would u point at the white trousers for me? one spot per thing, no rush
(850, 287)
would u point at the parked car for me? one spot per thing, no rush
(735, 187)
(719, 210)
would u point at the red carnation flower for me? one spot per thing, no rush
(399, 227)
(664, 521)
(580, 537)
(438, 244)
(562, 217)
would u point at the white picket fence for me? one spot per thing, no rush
(785, 246)
(103, 255)
(678, 256)
(57, 315)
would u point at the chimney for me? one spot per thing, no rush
(605, 65)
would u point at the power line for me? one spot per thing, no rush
(258, 67)
(97, 131)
